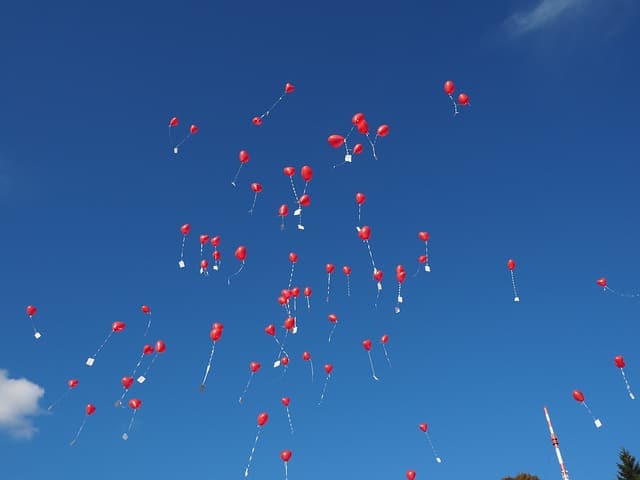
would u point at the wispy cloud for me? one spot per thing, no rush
(18, 403)
(543, 14)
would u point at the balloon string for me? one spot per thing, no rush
(103, 344)
(33, 325)
(75, 439)
(119, 401)
(378, 295)
(373, 371)
(286, 471)
(255, 442)
(125, 436)
(348, 287)
(273, 106)
(373, 146)
(233, 275)
(433, 449)
(426, 254)
(241, 399)
(373, 263)
(148, 325)
(150, 365)
(513, 283)
(282, 223)
(255, 197)
(137, 365)
(332, 330)
(206, 373)
(184, 238)
(386, 354)
(455, 106)
(293, 266)
(295, 304)
(50, 407)
(626, 295)
(324, 389)
(293, 187)
(588, 410)
(235, 178)
(306, 185)
(359, 211)
(183, 140)
(627, 384)
(300, 226)
(308, 304)
(290, 422)
(312, 371)
(328, 286)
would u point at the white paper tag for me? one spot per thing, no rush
(276, 364)
(358, 229)
(399, 299)
(633, 397)
(379, 286)
(181, 263)
(294, 330)
(297, 212)
(175, 150)
(90, 361)
(215, 267)
(427, 268)
(516, 299)
(300, 227)
(125, 436)
(141, 379)
(438, 459)
(598, 423)
(37, 335)
(347, 158)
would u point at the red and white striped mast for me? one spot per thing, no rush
(556, 446)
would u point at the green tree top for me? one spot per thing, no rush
(628, 469)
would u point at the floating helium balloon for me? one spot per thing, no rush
(253, 367)
(295, 292)
(307, 294)
(285, 455)
(328, 368)
(304, 201)
(366, 344)
(424, 428)
(293, 259)
(306, 356)
(31, 311)
(271, 331)
(603, 283)
(619, 361)
(147, 311)
(160, 348)
(329, 268)
(262, 421)
(424, 259)
(290, 172)
(411, 475)
(578, 396)
(288, 88)
(333, 318)
(384, 340)
(365, 233)
(256, 188)
(401, 275)
(286, 401)
(204, 239)
(511, 265)
(449, 88)
(360, 199)
(240, 254)
(283, 211)
(184, 229)
(172, 123)
(215, 334)
(90, 409)
(377, 276)
(134, 404)
(193, 129)
(307, 174)
(71, 384)
(463, 99)
(126, 383)
(244, 157)
(347, 272)
(115, 328)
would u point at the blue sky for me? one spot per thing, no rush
(540, 168)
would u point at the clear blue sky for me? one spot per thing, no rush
(542, 168)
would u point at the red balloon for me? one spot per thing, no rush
(204, 239)
(285, 401)
(254, 366)
(135, 403)
(256, 187)
(360, 198)
(333, 318)
(215, 241)
(257, 121)
(383, 130)
(411, 474)
(241, 253)
(511, 264)
(363, 127)
(357, 118)
(282, 300)
(173, 122)
(305, 200)
(463, 99)
(307, 173)
(295, 291)
(289, 323)
(424, 236)
(335, 140)
(578, 395)
(283, 211)
(218, 325)
(366, 344)
(90, 409)
(377, 275)
(307, 291)
(204, 264)
(216, 255)
(401, 276)
(357, 148)
(145, 309)
(148, 350)
(602, 282)
(423, 427)
(285, 455)
(31, 310)
(422, 259)
(215, 334)
(306, 356)
(384, 339)
(185, 229)
(619, 361)
(286, 293)
(364, 233)
(329, 267)
(328, 368)
(73, 383)
(346, 270)
(288, 88)
(127, 382)
(161, 347)
(293, 257)
(284, 360)
(262, 418)
(118, 326)
(289, 171)
(399, 268)
(449, 87)
(193, 129)
(270, 330)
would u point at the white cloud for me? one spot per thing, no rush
(543, 14)
(18, 402)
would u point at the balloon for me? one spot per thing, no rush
(256, 187)
(360, 198)
(254, 366)
(423, 427)
(307, 291)
(127, 382)
(384, 338)
(329, 268)
(578, 395)
(285, 401)
(216, 255)
(90, 409)
(283, 211)
(411, 474)
(262, 418)
(364, 233)
(243, 156)
(357, 118)
(215, 334)
(270, 330)
(400, 276)
(257, 121)
(399, 268)
(289, 88)
(161, 347)
(285, 455)
(215, 241)
(135, 403)
(173, 122)
(305, 200)
(424, 236)
(366, 344)
(357, 148)
(333, 318)
(307, 173)
(193, 129)
(219, 326)
(328, 368)
(148, 350)
(295, 291)
(619, 360)
(363, 127)
(31, 310)
(241, 253)
(449, 87)
(284, 361)
(511, 264)
(73, 383)
(335, 140)
(145, 309)
(118, 326)
(602, 282)
(346, 270)
(185, 229)
(377, 275)
(383, 130)
(293, 257)
(204, 239)
(289, 171)
(282, 300)
(463, 99)
(289, 323)
(204, 264)
(306, 356)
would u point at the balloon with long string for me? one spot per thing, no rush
(240, 254)
(146, 350)
(193, 129)
(244, 157)
(262, 421)
(381, 131)
(579, 397)
(286, 401)
(204, 265)
(293, 259)
(306, 356)
(288, 88)
(333, 318)
(283, 300)
(401, 275)
(307, 293)
(307, 175)
(215, 334)
(71, 384)
(329, 267)
(271, 331)
(511, 265)
(285, 456)
(365, 234)
(215, 242)
(184, 229)
(619, 361)
(411, 475)
(147, 311)
(253, 367)
(424, 427)
(90, 409)
(160, 348)
(295, 292)
(283, 211)
(328, 368)
(115, 328)
(360, 199)
(603, 283)
(449, 88)
(377, 276)
(256, 188)
(347, 272)
(290, 172)
(424, 259)
(134, 404)
(289, 325)
(31, 311)
(384, 340)
(172, 123)
(304, 201)
(366, 344)
(336, 141)
(463, 99)
(126, 383)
